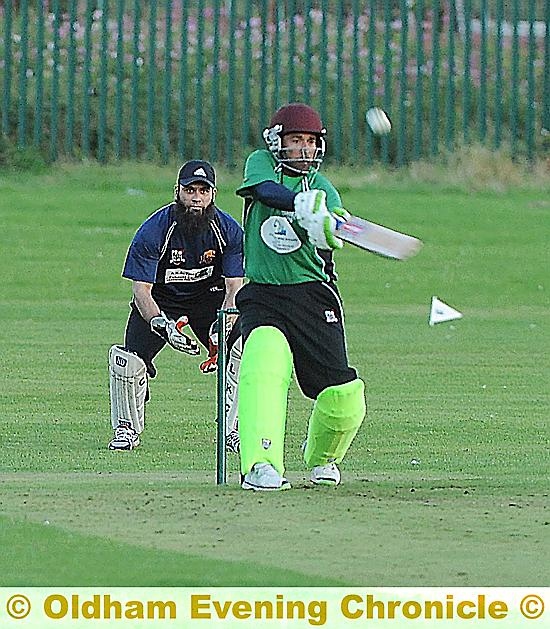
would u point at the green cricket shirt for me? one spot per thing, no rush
(276, 249)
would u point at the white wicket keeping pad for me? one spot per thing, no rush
(128, 388)
(378, 239)
(232, 386)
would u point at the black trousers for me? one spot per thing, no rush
(146, 344)
(311, 317)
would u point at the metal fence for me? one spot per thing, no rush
(116, 79)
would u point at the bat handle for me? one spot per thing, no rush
(341, 216)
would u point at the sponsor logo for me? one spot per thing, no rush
(208, 256)
(278, 228)
(266, 444)
(120, 361)
(176, 256)
(187, 275)
(278, 234)
(330, 316)
(200, 172)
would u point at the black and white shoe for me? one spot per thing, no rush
(328, 474)
(124, 437)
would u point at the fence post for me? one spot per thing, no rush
(231, 88)
(182, 136)
(530, 113)
(546, 73)
(151, 79)
(6, 93)
(401, 136)
(323, 62)
(86, 91)
(450, 100)
(247, 71)
(263, 72)
(466, 87)
(119, 79)
(54, 121)
(355, 89)
(388, 72)
(371, 35)
(275, 95)
(136, 57)
(515, 79)
(338, 110)
(167, 90)
(291, 9)
(23, 65)
(103, 85)
(307, 53)
(71, 77)
(198, 79)
(419, 93)
(215, 96)
(434, 107)
(498, 74)
(482, 113)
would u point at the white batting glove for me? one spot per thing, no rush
(171, 332)
(312, 214)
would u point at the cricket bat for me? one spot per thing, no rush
(378, 239)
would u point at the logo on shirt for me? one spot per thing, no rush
(330, 316)
(277, 233)
(278, 228)
(187, 275)
(208, 256)
(176, 256)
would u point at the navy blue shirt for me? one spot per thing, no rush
(181, 268)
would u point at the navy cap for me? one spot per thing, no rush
(197, 170)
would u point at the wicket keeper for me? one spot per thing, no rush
(185, 262)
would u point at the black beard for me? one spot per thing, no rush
(191, 222)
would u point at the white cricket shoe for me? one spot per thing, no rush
(264, 477)
(124, 438)
(328, 474)
(233, 442)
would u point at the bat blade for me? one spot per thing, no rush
(378, 239)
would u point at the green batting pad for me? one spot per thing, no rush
(264, 379)
(337, 414)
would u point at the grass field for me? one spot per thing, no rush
(447, 482)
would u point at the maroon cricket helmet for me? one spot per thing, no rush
(295, 118)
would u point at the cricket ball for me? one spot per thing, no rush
(378, 121)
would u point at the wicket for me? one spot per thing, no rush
(221, 462)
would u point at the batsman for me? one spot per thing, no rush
(291, 311)
(185, 262)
